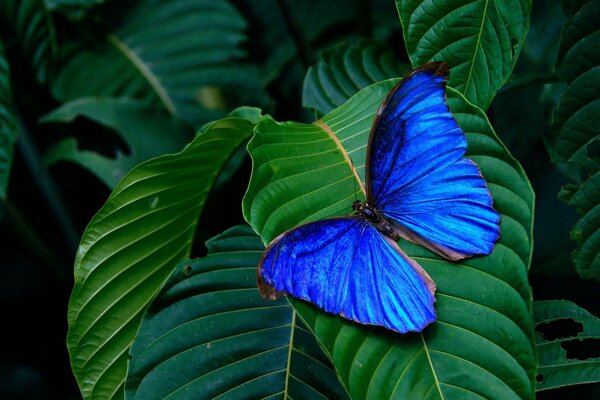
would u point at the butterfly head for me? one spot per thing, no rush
(366, 211)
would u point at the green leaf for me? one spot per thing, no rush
(559, 363)
(481, 40)
(184, 56)
(576, 130)
(273, 33)
(74, 9)
(482, 345)
(148, 133)
(131, 247)
(209, 334)
(344, 70)
(576, 125)
(586, 232)
(32, 25)
(8, 124)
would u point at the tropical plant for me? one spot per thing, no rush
(229, 122)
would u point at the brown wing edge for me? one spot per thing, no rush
(439, 68)
(418, 269)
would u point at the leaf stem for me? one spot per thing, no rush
(46, 184)
(305, 52)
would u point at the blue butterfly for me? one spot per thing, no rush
(420, 187)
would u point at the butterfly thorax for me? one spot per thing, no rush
(374, 216)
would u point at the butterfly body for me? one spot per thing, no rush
(419, 186)
(372, 215)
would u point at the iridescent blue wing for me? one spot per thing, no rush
(417, 174)
(345, 266)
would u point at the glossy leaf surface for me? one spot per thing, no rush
(131, 247)
(344, 70)
(209, 334)
(482, 343)
(561, 359)
(480, 39)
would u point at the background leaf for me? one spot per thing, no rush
(481, 40)
(561, 358)
(482, 344)
(31, 23)
(576, 130)
(147, 131)
(8, 124)
(184, 56)
(344, 70)
(210, 334)
(130, 248)
(74, 9)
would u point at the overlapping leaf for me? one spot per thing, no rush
(559, 363)
(32, 26)
(8, 124)
(344, 70)
(130, 248)
(480, 39)
(209, 334)
(185, 56)
(576, 132)
(482, 344)
(148, 132)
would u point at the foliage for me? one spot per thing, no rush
(264, 349)
(142, 98)
(8, 124)
(576, 134)
(556, 366)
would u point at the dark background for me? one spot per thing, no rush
(37, 251)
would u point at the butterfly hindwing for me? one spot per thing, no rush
(345, 266)
(418, 176)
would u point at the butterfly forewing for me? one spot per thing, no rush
(417, 174)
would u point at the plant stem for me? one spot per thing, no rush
(46, 185)
(305, 52)
(23, 229)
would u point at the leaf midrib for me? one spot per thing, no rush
(435, 378)
(145, 71)
(477, 45)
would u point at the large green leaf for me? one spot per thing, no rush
(209, 334)
(183, 55)
(8, 124)
(482, 344)
(480, 39)
(130, 248)
(148, 133)
(344, 70)
(30, 22)
(560, 362)
(576, 131)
